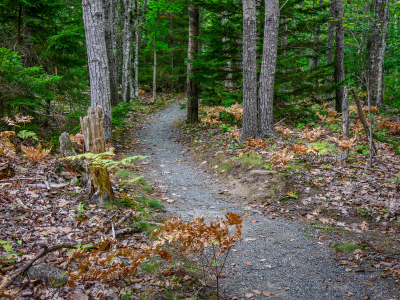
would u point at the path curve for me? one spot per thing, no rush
(283, 260)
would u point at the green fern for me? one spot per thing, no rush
(25, 134)
(101, 160)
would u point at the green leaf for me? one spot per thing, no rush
(87, 246)
(8, 247)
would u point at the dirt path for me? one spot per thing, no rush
(283, 260)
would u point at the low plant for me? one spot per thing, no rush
(213, 242)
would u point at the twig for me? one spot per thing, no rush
(21, 178)
(280, 121)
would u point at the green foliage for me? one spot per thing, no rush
(25, 134)
(347, 247)
(9, 251)
(119, 114)
(102, 160)
(364, 212)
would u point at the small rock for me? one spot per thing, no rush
(75, 181)
(45, 271)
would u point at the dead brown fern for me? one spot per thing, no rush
(195, 236)
(255, 143)
(33, 154)
(6, 147)
(109, 261)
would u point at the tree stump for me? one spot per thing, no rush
(99, 183)
(69, 167)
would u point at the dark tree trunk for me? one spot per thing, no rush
(97, 60)
(171, 53)
(109, 7)
(249, 70)
(268, 67)
(339, 55)
(193, 48)
(377, 53)
(331, 42)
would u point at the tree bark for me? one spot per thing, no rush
(193, 49)
(363, 120)
(135, 47)
(339, 55)
(249, 128)
(268, 67)
(377, 53)
(331, 42)
(97, 60)
(345, 122)
(171, 53)
(155, 68)
(99, 184)
(109, 6)
(126, 12)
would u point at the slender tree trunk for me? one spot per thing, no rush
(100, 93)
(154, 69)
(136, 51)
(345, 122)
(249, 70)
(228, 68)
(109, 7)
(118, 26)
(126, 10)
(331, 42)
(171, 53)
(377, 53)
(193, 49)
(268, 67)
(19, 25)
(315, 60)
(339, 55)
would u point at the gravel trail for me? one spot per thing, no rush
(284, 262)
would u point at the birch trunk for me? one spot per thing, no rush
(100, 94)
(193, 48)
(135, 50)
(109, 6)
(268, 67)
(126, 11)
(118, 40)
(249, 128)
(339, 55)
(377, 53)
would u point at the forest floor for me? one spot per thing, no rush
(312, 229)
(302, 238)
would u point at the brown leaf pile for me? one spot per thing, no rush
(33, 154)
(282, 157)
(6, 147)
(77, 139)
(312, 135)
(344, 143)
(255, 143)
(196, 235)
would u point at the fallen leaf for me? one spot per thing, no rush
(249, 239)
(248, 295)
(257, 292)
(254, 221)
(247, 263)
(246, 215)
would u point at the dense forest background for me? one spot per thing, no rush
(44, 70)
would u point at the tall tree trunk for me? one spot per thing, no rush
(193, 49)
(228, 68)
(155, 68)
(268, 67)
(345, 122)
(331, 42)
(249, 70)
(377, 53)
(315, 60)
(339, 55)
(126, 11)
(171, 53)
(109, 7)
(135, 47)
(118, 26)
(99, 73)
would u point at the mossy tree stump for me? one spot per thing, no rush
(99, 183)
